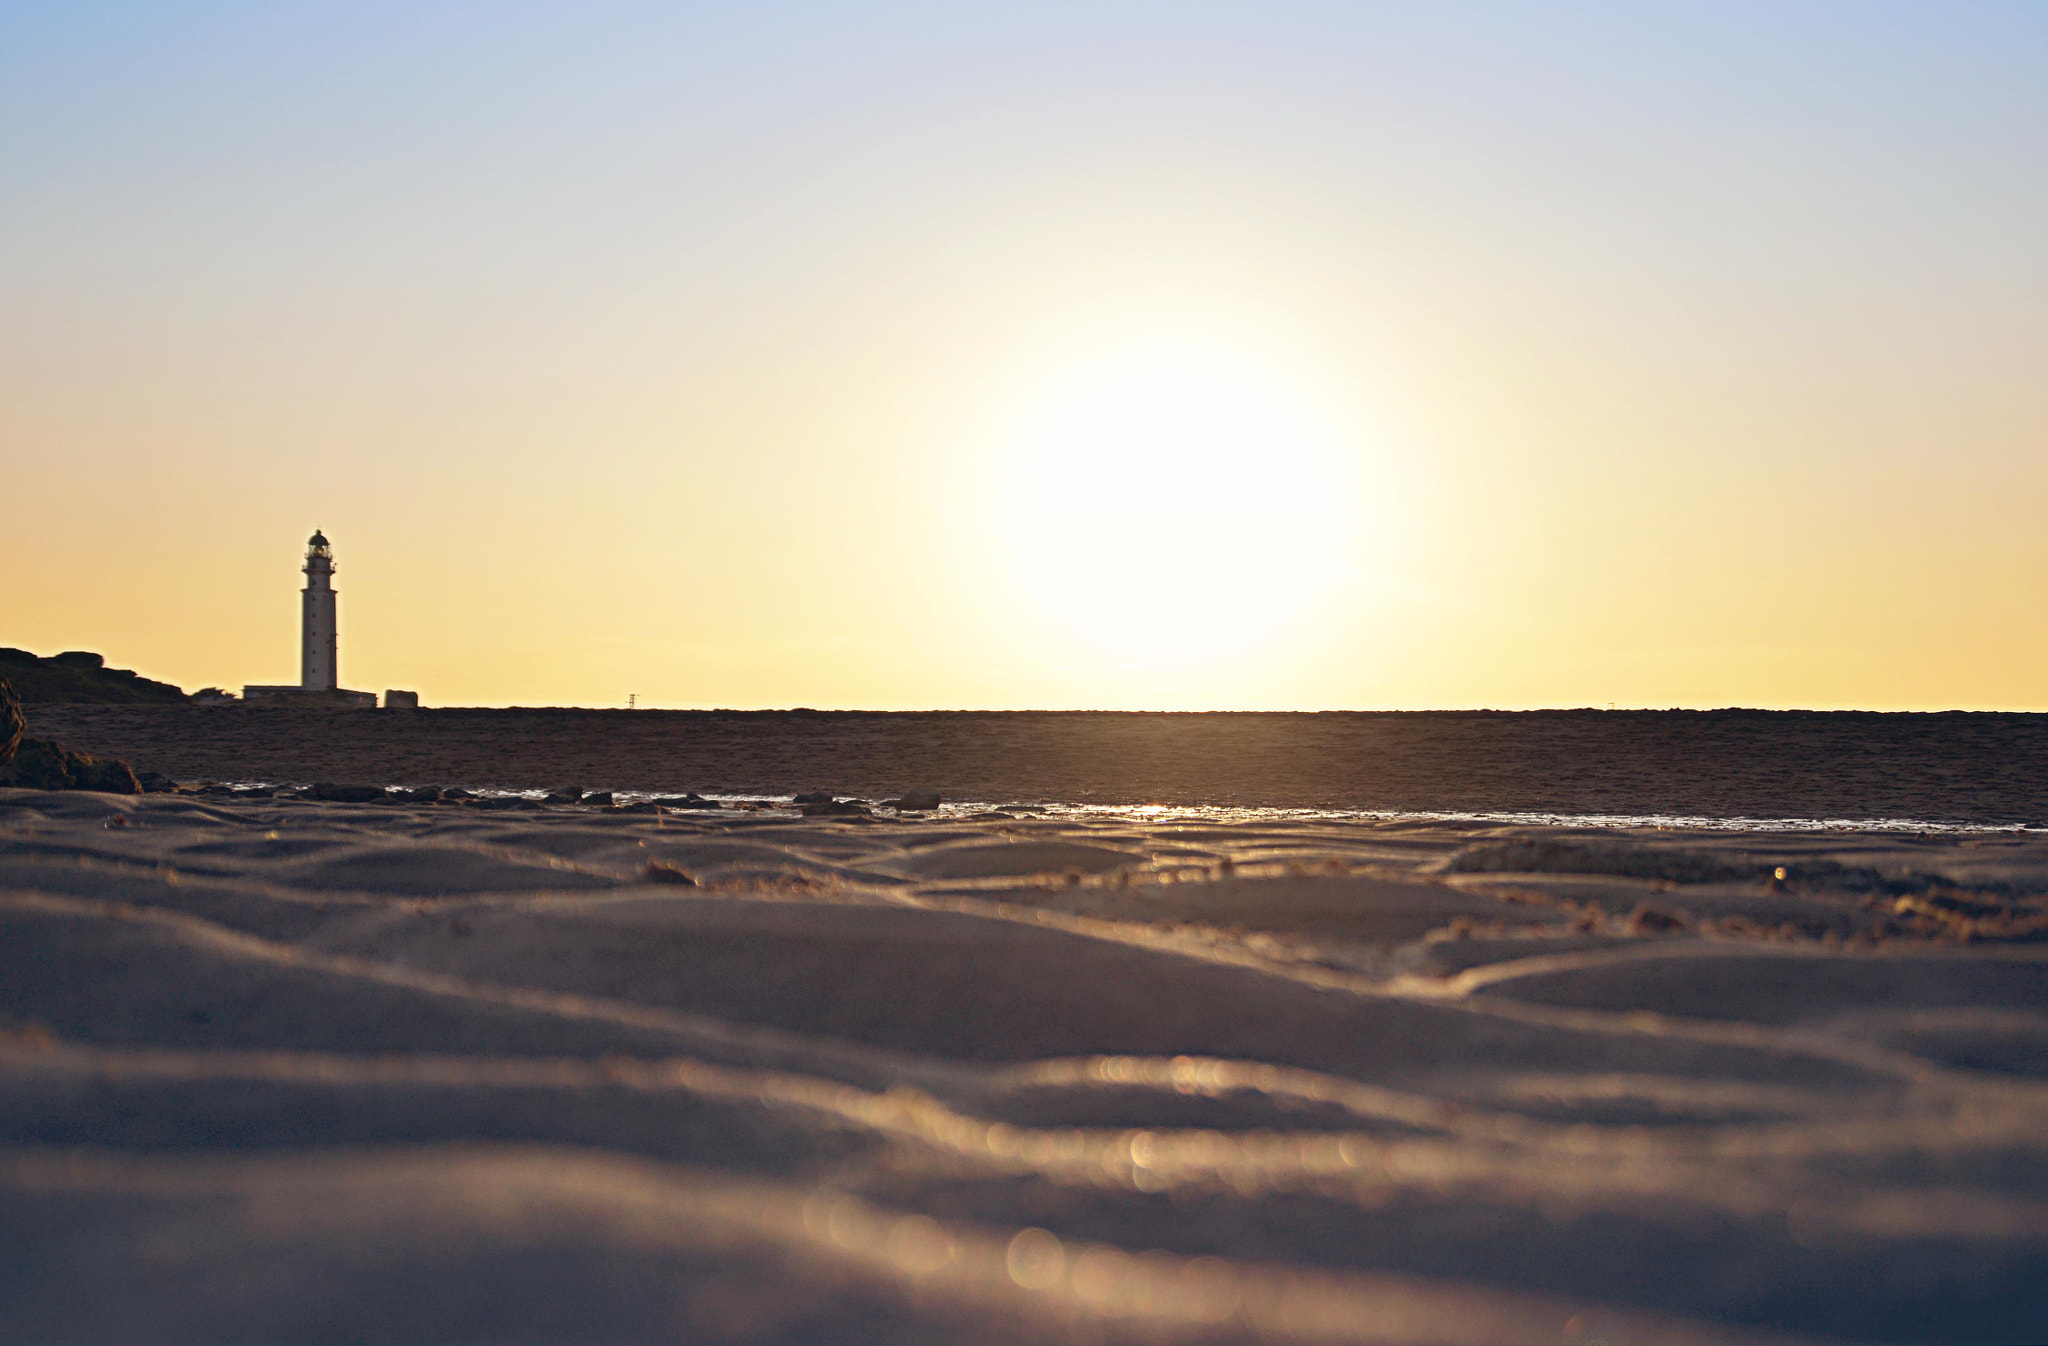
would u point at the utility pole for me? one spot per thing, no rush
(632, 701)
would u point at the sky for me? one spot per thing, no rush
(1042, 355)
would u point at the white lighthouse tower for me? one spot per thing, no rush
(319, 667)
(318, 671)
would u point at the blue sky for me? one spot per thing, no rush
(1681, 312)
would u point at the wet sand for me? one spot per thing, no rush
(1986, 767)
(294, 1071)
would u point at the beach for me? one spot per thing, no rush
(278, 1069)
(707, 674)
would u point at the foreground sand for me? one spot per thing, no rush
(294, 1072)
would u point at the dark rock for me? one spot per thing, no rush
(921, 800)
(640, 806)
(79, 659)
(814, 797)
(508, 802)
(107, 775)
(568, 794)
(11, 723)
(598, 798)
(425, 794)
(42, 765)
(456, 792)
(331, 793)
(39, 765)
(692, 800)
(154, 784)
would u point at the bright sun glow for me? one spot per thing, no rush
(1176, 499)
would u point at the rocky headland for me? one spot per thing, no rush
(81, 677)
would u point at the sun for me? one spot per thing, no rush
(1171, 498)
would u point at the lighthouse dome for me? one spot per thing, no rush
(319, 539)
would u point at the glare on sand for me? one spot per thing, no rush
(1174, 495)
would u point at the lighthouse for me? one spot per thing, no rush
(317, 668)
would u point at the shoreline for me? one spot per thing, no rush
(1959, 768)
(784, 806)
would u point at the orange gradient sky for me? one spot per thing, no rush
(1126, 355)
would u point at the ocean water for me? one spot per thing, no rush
(1751, 770)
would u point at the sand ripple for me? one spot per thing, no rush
(293, 1071)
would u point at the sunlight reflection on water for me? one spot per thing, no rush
(1168, 815)
(1171, 814)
